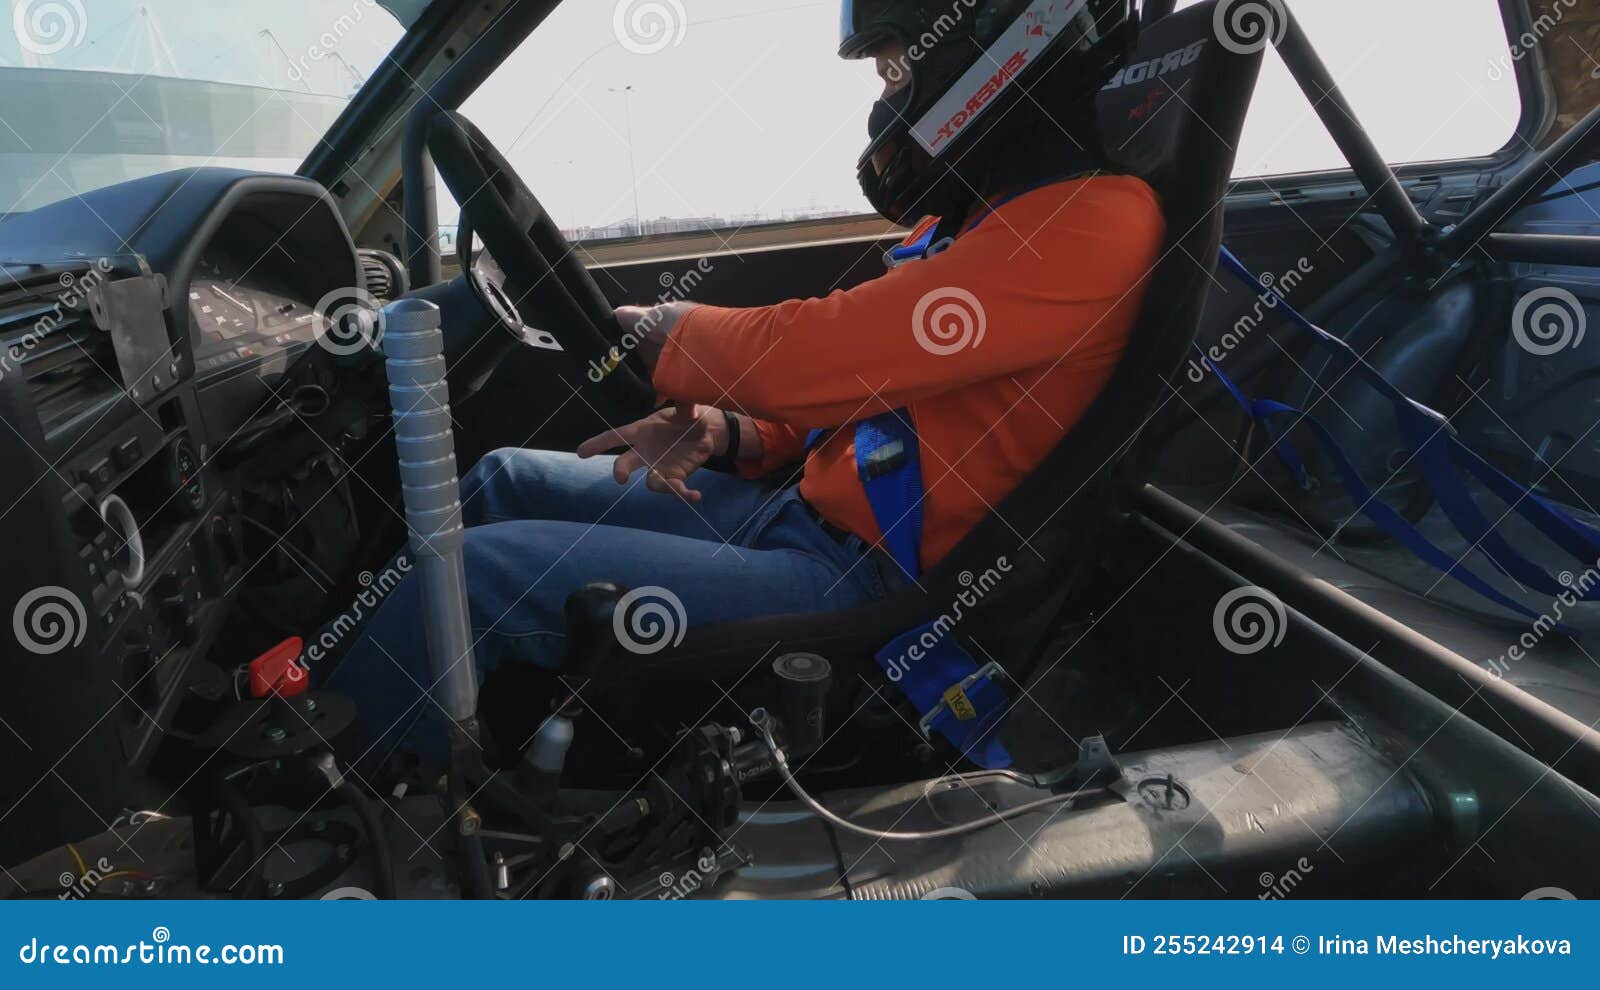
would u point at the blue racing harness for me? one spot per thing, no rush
(963, 700)
(959, 698)
(1442, 459)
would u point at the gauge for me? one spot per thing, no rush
(221, 311)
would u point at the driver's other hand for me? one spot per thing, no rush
(671, 443)
(650, 326)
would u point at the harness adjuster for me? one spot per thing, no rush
(887, 459)
(955, 699)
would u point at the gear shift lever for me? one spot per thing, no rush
(592, 644)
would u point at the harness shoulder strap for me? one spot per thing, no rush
(1441, 455)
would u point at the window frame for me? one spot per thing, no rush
(1537, 117)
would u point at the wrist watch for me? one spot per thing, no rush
(728, 461)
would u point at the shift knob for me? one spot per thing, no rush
(591, 644)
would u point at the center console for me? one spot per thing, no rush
(143, 326)
(121, 543)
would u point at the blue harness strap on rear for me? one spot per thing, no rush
(1441, 456)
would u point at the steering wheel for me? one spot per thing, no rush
(543, 280)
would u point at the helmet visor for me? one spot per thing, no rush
(864, 25)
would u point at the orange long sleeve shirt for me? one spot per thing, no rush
(995, 347)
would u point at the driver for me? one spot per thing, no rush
(1007, 307)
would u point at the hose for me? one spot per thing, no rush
(764, 726)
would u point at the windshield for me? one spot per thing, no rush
(96, 93)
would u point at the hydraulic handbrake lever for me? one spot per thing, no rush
(413, 347)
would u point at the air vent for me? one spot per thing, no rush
(386, 277)
(69, 365)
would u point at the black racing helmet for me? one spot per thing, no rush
(981, 71)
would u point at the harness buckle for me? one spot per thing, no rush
(956, 701)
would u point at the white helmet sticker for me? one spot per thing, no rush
(1016, 49)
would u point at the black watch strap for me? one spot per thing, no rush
(728, 463)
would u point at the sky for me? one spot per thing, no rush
(746, 108)
(741, 107)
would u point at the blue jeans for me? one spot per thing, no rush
(543, 524)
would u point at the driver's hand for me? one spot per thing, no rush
(650, 326)
(672, 443)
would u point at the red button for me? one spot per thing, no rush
(278, 671)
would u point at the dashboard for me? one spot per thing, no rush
(236, 317)
(143, 327)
